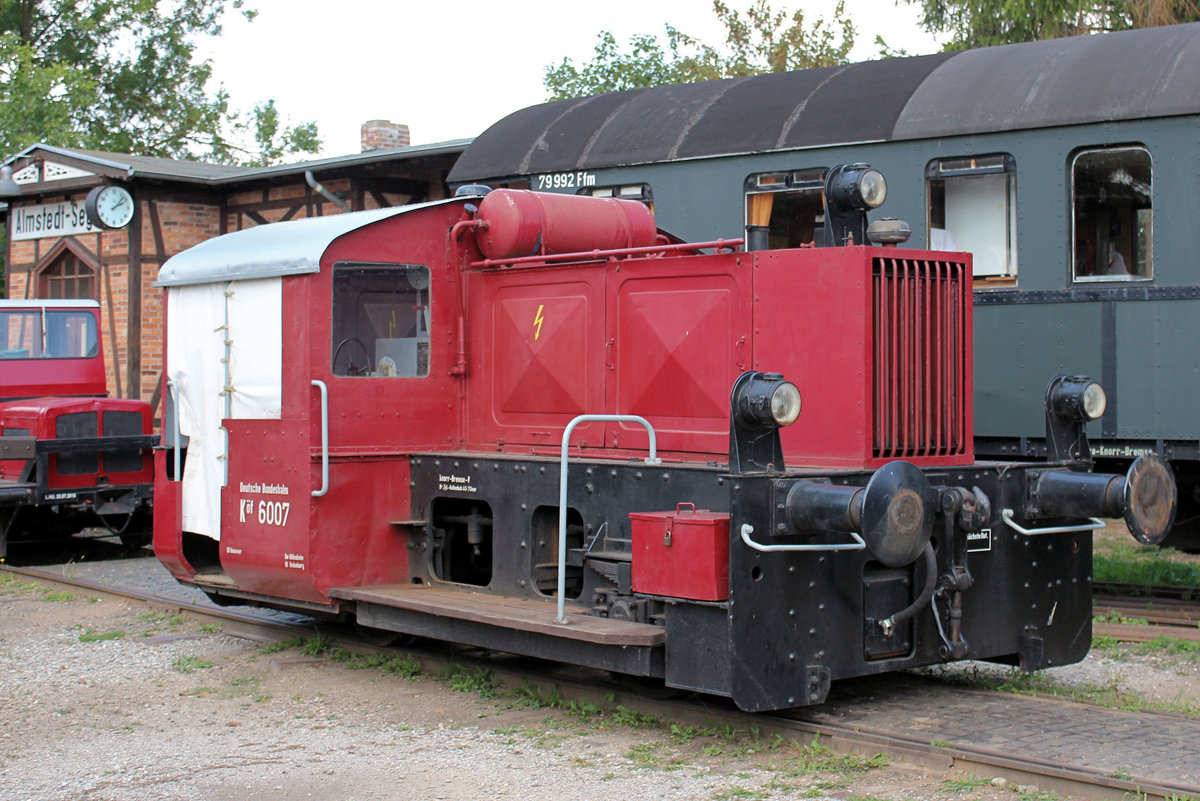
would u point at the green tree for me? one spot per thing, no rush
(981, 23)
(122, 75)
(758, 40)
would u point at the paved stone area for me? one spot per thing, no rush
(1154, 747)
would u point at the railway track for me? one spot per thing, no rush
(1133, 613)
(827, 725)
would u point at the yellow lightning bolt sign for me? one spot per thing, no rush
(538, 319)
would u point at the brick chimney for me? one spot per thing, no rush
(379, 134)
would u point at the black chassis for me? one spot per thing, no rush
(64, 510)
(794, 621)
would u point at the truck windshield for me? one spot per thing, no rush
(42, 334)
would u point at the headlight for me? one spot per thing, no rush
(855, 187)
(873, 188)
(1076, 397)
(766, 399)
(785, 403)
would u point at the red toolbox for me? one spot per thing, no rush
(681, 554)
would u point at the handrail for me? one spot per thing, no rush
(1095, 524)
(858, 544)
(173, 392)
(562, 491)
(324, 438)
(585, 255)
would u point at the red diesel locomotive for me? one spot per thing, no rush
(535, 424)
(70, 457)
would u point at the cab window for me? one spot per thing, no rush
(784, 209)
(1112, 214)
(39, 334)
(380, 320)
(972, 207)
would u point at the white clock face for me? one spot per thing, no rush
(111, 206)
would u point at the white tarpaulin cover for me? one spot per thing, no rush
(200, 318)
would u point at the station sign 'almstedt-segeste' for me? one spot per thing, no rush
(50, 219)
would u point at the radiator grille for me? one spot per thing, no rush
(921, 359)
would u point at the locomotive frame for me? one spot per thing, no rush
(374, 406)
(1013, 136)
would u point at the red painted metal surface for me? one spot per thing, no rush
(680, 334)
(168, 517)
(522, 223)
(681, 554)
(39, 416)
(921, 341)
(39, 377)
(880, 348)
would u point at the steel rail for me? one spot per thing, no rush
(1075, 781)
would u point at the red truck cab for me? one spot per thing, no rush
(70, 457)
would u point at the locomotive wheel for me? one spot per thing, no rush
(654, 689)
(382, 638)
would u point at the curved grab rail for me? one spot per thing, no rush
(1094, 524)
(858, 544)
(324, 438)
(562, 491)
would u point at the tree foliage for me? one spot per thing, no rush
(981, 23)
(122, 75)
(757, 40)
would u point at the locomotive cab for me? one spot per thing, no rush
(533, 423)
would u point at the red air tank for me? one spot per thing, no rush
(523, 223)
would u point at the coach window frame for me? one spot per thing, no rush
(641, 192)
(984, 180)
(366, 296)
(805, 218)
(1134, 224)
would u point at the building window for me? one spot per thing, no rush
(1112, 219)
(67, 277)
(972, 207)
(785, 209)
(380, 320)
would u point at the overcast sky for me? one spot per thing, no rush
(449, 70)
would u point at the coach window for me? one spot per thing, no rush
(784, 209)
(1112, 214)
(380, 320)
(972, 207)
(639, 192)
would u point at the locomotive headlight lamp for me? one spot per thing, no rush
(766, 399)
(1076, 397)
(856, 186)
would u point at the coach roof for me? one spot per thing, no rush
(1150, 72)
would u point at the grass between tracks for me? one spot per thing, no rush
(810, 769)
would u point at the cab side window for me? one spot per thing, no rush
(380, 320)
(1112, 214)
(972, 207)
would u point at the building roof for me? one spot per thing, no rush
(1134, 74)
(222, 174)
